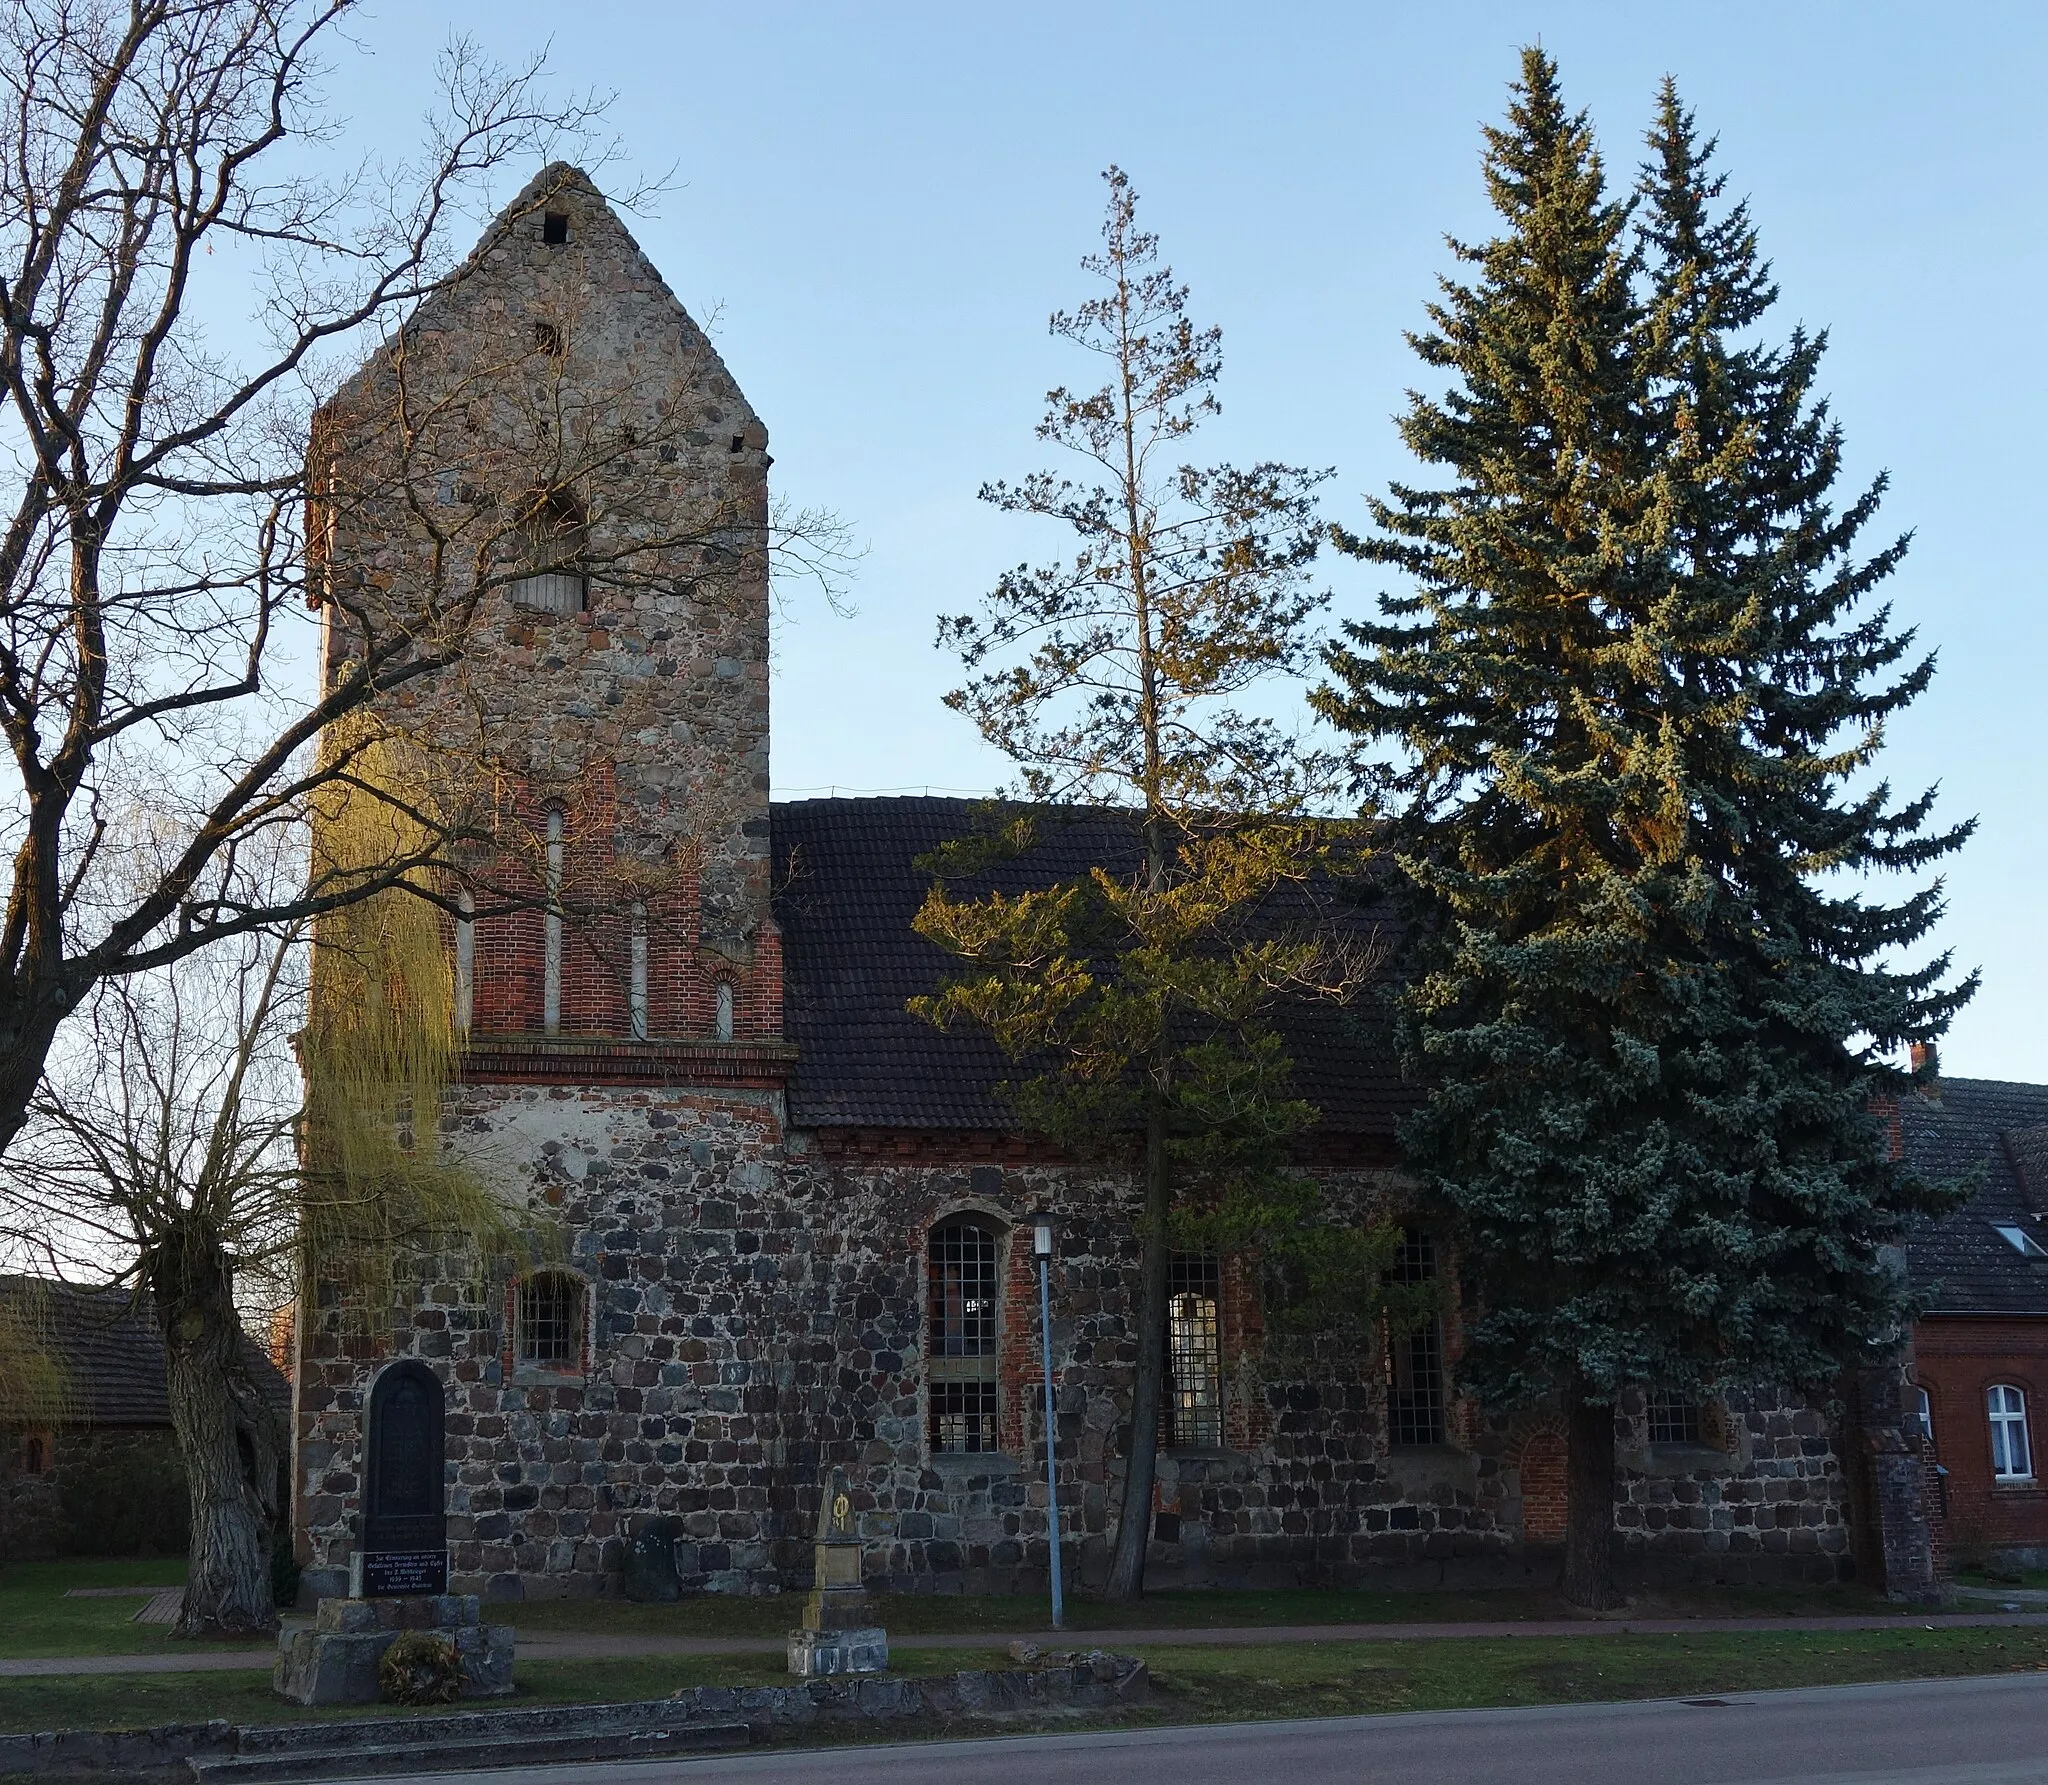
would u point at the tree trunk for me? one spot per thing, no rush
(1589, 1501)
(1148, 1392)
(228, 1438)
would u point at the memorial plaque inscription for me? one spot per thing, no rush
(398, 1574)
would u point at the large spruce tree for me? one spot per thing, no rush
(1634, 706)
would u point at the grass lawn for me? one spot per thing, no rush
(37, 1619)
(1195, 1685)
(1335, 1679)
(906, 1615)
(2034, 1578)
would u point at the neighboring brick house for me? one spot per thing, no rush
(106, 1400)
(792, 1213)
(1980, 1351)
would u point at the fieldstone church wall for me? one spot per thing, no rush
(756, 1315)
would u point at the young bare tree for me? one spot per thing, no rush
(160, 160)
(216, 1134)
(167, 1143)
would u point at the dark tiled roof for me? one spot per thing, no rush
(2001, 1129)
(110, 1352)
(847, 887)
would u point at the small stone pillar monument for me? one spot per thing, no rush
(836, 1635)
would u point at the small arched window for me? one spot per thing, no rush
(964, 1306)
(548, 1321)
(2012, 1456)
(557, 532)
(724, 1016)
(35, 1454)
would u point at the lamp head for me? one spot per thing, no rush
(1041, 1236)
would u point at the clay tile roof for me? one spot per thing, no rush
(847, 887)
(111, 1354)
(1998, 1130)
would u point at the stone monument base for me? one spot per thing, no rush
(814, 1654)
(335, 1662)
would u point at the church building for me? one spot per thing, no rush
(794, 1219)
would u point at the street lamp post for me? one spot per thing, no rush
(1041, 1243)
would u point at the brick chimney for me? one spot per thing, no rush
(1926, 1059)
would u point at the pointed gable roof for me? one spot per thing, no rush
(512, 251)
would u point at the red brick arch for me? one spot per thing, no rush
(1540, 1458)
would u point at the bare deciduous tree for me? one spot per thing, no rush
(154, 570)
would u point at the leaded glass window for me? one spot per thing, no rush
(1194, 1351)
(1415, 1360)
(962, 1329)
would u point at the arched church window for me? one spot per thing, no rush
(724, 1010)
(557, 532)
(548, 1321)
(964, 1308)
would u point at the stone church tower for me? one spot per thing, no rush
(553, 462)
(794, 1219)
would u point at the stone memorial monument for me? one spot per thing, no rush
(837, 1635)
(398, 1579)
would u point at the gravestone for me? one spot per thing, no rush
(651, 1563)
(405, 1523)
(838, 1634)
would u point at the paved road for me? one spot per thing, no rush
(595, 1646)
(1945, 1732)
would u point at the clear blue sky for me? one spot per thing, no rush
(881, 203)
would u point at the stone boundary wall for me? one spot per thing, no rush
(1096, 1682)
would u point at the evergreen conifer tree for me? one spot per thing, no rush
(1630, 693)
(1139, 998)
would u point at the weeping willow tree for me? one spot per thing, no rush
(34, 1386)
(381, 1044)
(253, 1120)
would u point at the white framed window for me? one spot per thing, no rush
(2021, 1241)
(465, 961)
(1674, 1419)
(1919, 1411)
(2012, 1456)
